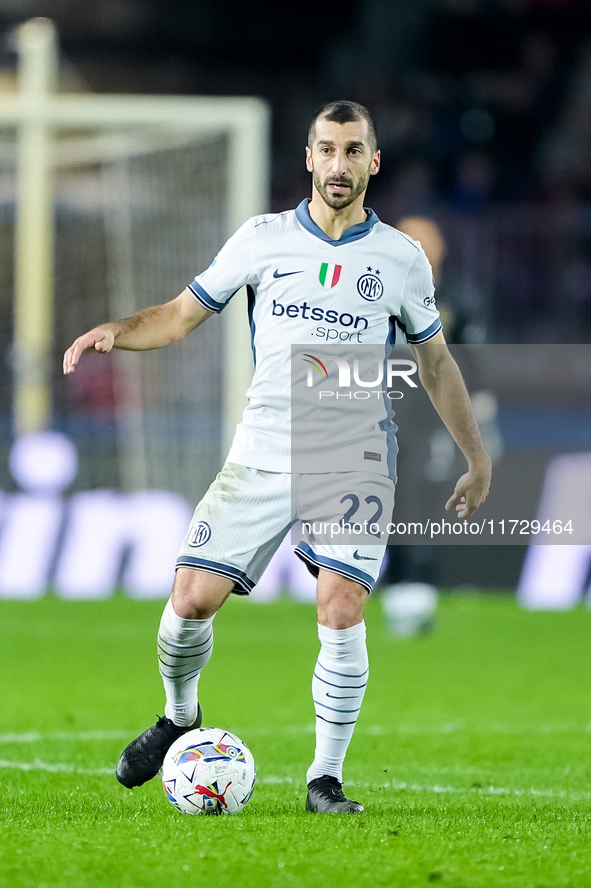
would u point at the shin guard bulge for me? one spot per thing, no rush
(184, 647)
(338, 686)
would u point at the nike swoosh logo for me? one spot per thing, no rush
(278, 274)
(359, 557)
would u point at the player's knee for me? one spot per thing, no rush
(340, 602)
(187, 608)
(198, 595)
(340, 615)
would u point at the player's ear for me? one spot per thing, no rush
(375, 163)
(309, 166)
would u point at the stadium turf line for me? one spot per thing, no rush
(470, 757)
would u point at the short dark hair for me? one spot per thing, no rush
(344, 112)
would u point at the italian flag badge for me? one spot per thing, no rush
(329, 275)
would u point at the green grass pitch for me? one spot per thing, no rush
(471, 754)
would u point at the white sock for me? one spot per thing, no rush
(338, 687)
(184, 647)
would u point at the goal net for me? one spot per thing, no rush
(132, 230)
(140, 207)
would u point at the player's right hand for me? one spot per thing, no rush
(100, 340)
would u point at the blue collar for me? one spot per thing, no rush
(351, 234)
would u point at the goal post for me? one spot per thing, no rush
(33, 260)
(82, 146)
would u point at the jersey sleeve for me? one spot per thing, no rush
(232, 268)
(418, 316)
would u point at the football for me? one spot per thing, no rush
(209, 771)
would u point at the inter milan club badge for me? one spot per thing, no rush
(370, 286)
(199, 534)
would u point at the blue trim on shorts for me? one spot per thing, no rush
(245, 584)
(307, 554)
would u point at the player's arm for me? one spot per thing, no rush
(441, 378)
(151, 328)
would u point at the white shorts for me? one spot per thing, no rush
(246, 513)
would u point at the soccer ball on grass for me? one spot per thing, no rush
(208, 771)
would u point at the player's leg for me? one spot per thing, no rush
(185, 642)
(338, 687)
(185, 639)
(217, 557)
(340, 601)
(346, 575)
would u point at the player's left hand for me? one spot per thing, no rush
(471, 490)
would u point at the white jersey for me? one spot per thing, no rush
(305, 288)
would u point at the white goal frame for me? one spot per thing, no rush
(35, 111)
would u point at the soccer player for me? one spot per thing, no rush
(306, 272)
